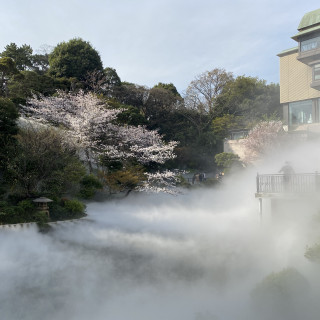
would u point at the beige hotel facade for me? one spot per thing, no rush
(299, 84)
(300, 77)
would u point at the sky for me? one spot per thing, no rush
(169, 41)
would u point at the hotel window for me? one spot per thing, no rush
(310, 44)
(300, 112)
(316, 72)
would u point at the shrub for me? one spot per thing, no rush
(3, 190)
(8, 215)
(124, 180)
(74, 206)
(26, 205)
(281, 295)
(313, 253)
(89, 185)
(58, 212)
(182, 182)
(3, 204)
(227, 160)
(11, 214)
(44, 162)
(41, 218)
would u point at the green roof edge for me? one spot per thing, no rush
(306, 31)
(288, 51)
(309, 19)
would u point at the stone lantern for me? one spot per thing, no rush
(42, 204)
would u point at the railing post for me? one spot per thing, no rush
(260, 209)
(317, 181)
(290, 183)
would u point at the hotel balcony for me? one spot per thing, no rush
(309, 57)
(279, 185)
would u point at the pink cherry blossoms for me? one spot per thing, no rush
(265, 137)
(90, 124)
(160, 182)
(82, 115)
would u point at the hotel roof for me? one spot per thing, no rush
(310, 19)
(309, 23)
(288, 51)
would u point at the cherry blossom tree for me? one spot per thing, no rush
(265, 137)
(82, 116)
(90, 123)
(160, 182)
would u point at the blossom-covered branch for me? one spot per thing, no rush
(263, 138)
(160, 182)
(90, 123)
(83, 115)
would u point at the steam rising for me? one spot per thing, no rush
(199, 256)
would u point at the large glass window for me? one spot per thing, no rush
(300, 112)
(316, 72)
(236, 135)
(310, 44)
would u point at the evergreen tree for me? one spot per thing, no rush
(8, 129)
(74, 59)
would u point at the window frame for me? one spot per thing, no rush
(316, 72)
(315, 37)
(293, 110)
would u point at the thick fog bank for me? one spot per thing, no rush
(198, 256)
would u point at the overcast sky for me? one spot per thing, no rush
(151, 41)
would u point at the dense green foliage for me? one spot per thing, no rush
(66, 209)
(74, 206)
(8, 70)
(25, 59)
(44, 163)
(169, 87)
(21, 55)
(8, 129)
(281, 293)
(31, 83)
(38, 161)
(124, 179)
(227, 161)
(222, 125)
(313, 253)
(89, 185)
(74, 59)
(249, 97)
(21, 212)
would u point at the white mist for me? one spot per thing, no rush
(197, 256)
